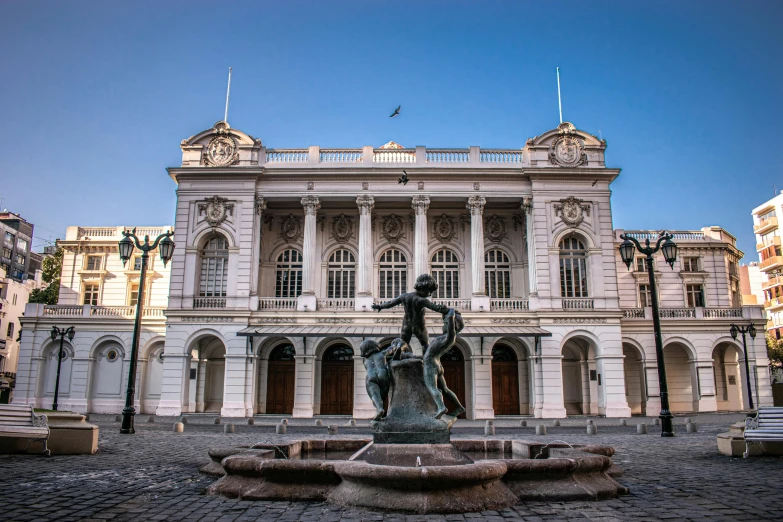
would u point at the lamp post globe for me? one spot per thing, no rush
(626, 252)
(669, 250)
(166, 249)
(752, 331)
(126, 249)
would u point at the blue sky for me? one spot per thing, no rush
(96, 96)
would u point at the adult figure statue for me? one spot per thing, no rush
(433, 369)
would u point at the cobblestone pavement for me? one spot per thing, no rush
(153, 475)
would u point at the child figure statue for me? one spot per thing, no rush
(378, 380)
(433, 369)
(414, 304)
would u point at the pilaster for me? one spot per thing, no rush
(364, 298)
(421, 255)
(307, 301)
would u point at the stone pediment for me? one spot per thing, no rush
(566, 147)
(220, 146)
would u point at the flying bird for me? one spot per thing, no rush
(396, 112)
(404, 178)
(594, 182)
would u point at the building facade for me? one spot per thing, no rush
(767, 230)
(282, 252)
(17, 244)
(14, 295)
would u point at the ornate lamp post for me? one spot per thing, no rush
(669, 249)
(69, 332)
(126, 249)
(750, 329)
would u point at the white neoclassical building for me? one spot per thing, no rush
(281, 253)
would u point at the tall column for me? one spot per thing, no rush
(306, 301)
(363, 300)
(258, 223)
(480, 300)
(530, 239)
(421, 254)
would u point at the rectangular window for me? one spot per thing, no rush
(7, 253)
(93, 262)
(20, 260)
(768, 215)
(645, 298)
(134, 294)
(10, 332)
(690, 264)
(137, 263)
(695, 295)
(9, 237)
(91, 294)
(22, 245)
(641, 264)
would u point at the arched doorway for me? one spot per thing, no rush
(49, 372)
(108, 370)
(337, 380)
(573, 387)
(207, 375)
(678, 378)
(505, 380)
(634, 380)
(454, 373)
(152, 380)
(726, 370)
(281, 379)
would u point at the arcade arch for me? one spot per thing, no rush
(207, 372)
(679, 378)
(729, 384)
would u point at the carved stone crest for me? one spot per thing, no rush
(216, 210)
(222, 149)
(567, 150)
(342, 228)
(495, 228)
(572, 210)
(290, 228)
(443, 228)
(392, 228)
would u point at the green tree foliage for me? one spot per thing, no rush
(775, 352)
(52, 267)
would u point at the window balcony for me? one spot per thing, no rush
(771, 282)
(461, 305)
(771, 263)
(775, 241)
(209, 302)
(509, 305)
(765, 225)
(774, 304)
(578, 304)
(273, 304)
(335, 304)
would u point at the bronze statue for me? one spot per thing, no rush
(378, 379)
(414, 304)
(433, 369)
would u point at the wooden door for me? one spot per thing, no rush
(505, 387)
(336, 388)
(281, 382)
(454, 374)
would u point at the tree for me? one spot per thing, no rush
(775, 352)
(52, 267)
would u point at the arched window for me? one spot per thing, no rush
(502, 353)
(497, 274)
(573, 268)
(445, 270)
(340, 352)
(289, 274)
(283, 352)
(342, 275)
(214, 268)
(393, 274)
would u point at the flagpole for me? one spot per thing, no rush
(228, 92)
(559, 101)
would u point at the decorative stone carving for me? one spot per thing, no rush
(464, 220)
(392, 228)
(567, 150)
(311, 205)
(420, 204)
(443, 228)
(518, 220)
(365, 185)
(476, 186)
(260, 205)
(495, 227)
(290, 228)
(333, 320)
(527, 205)
(321, 220)
(572, 210)
(476, 205)
(310, 185)
(222, 150)
(421, 185)
(365, 203)
(412, 221)
(500, 320)
(269, 219)
(342, 228)
(216, 210)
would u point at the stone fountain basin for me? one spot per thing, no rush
(496, 474)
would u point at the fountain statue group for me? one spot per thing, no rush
(383, 381)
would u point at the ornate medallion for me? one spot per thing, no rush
(567, 150)
(572, 210)
(392, 228)
(216, 210)
(443, 228)
(290, 228)
(342, 228)
(495, 228)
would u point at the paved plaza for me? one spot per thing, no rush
(153, 475)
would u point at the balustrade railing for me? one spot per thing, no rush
(63, 310)
(509, 305)
(335, 304)
(277, 303)
(287, 156)
(501, 156)
(340, 155)
(101, 311)
(463, 305)
(394, 156)
(448, 156)
(209, 302)
(633, 313)
(677, 313)
(578, 304)
(655, 234)
(723, 313)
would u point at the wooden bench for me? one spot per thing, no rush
(19, 421)
(766, 426)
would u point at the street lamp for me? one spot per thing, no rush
(69, 332)
(126, 249)
(669, 249)
(743, 330)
